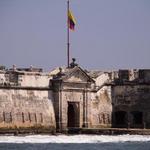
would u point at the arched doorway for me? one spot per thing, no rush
(73, 114)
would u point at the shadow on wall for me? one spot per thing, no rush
(123, 119)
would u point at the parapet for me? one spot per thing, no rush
(122, 76)
(24, 77)
(144, 75)
(139, 76)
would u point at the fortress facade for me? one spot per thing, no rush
(73, 98)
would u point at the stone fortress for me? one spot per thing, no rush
(64, 98)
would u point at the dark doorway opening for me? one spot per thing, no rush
(137, 118)
(120, 119)
(73, 114)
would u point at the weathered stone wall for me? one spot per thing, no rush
(24, 79)
(25, 108)
(30, 98)
(102, 79)
(133, 102)
(101, 108)
(34, 80)
(2, 77)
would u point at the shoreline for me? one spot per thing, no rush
(78, 131)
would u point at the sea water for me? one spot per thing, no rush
(75, 142)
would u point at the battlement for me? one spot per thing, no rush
(24, 77)
(35, 77)
(139, 76)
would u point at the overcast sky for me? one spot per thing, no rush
(110, 34)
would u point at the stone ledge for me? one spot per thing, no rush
(27, 131)
(25, 88)
(109, 131)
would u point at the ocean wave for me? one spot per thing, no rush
(74, 139)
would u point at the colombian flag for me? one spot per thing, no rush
(71, 21)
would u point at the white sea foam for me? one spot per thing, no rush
(74, 139)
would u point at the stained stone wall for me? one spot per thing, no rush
(34, 80)
(132, 99)
(75, 98)
(101, 108)
(26, 108)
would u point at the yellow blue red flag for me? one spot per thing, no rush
(71, 21)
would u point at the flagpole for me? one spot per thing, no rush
(68, 36)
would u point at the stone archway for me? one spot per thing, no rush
(73, 114)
